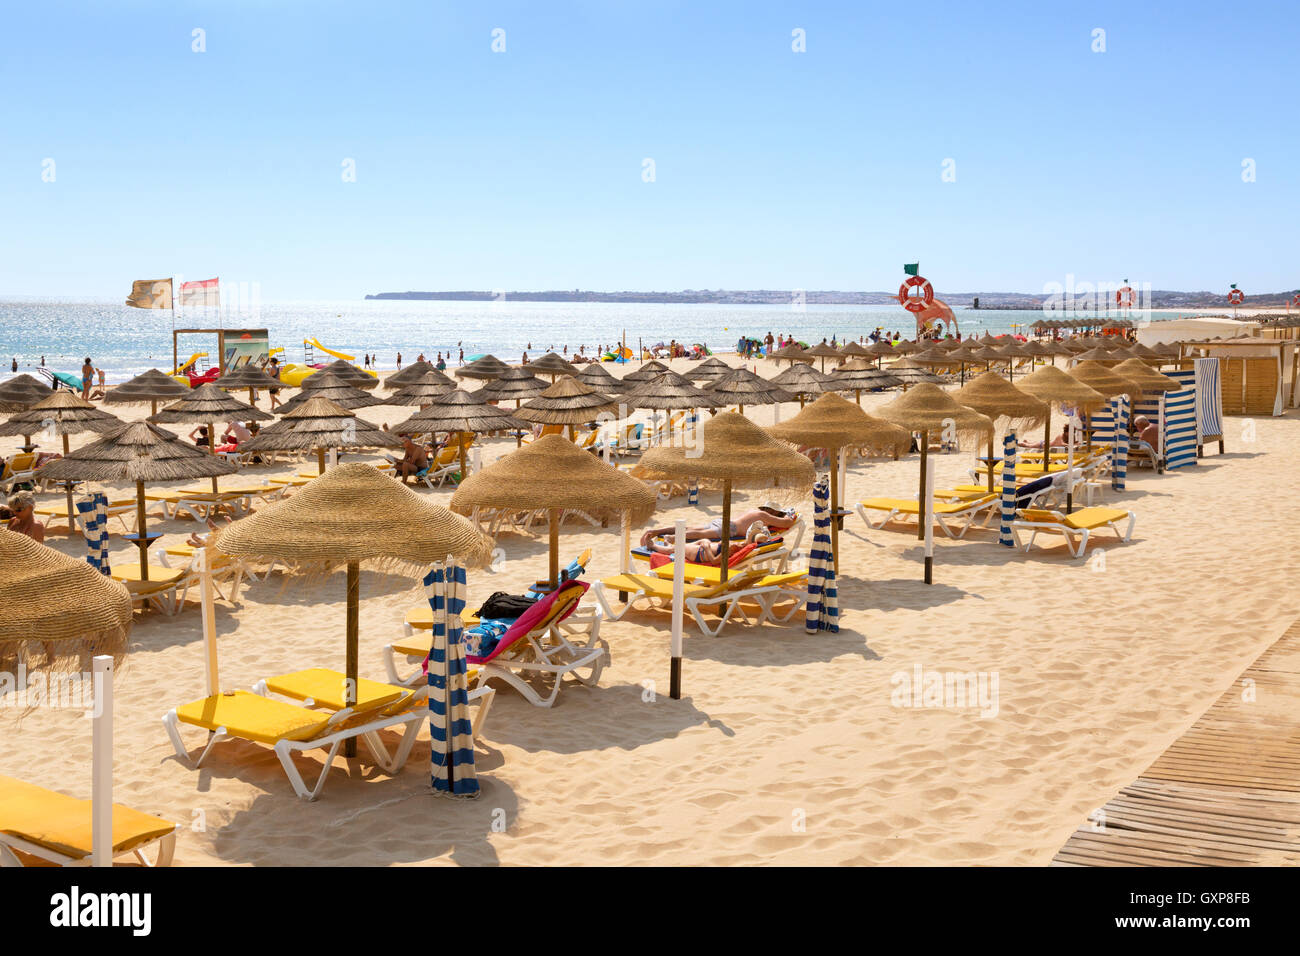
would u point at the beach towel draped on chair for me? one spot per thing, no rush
(94, 525)
(451, 731)
(1008, 490)
(822, 611)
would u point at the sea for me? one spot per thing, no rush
(123, 341)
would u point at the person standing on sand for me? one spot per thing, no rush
(273, 373)
(769, 341)
(87, 376)
(461, 360)
(399, 361)
(15, 364)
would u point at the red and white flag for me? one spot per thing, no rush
(205, 292)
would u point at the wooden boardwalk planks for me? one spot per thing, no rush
(1225, 793)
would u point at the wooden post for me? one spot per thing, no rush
(929, 529)
(460, 439)
(212, 450)
(990, 462)
(726, 529)
(350, 685)
(320, 460)
(140, 540)
(1047, 441)
(67, 485)
(922, 506)
(554, 545)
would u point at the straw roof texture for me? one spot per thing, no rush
(802, 377)
(854, 350)
(22, 391)
(489, 366)
(516, 384)
(552, 364)
(320, 423)
(650, 370)
(150, 386)
(742, 386)
(668, 391)
(56, 607)
(1050, 384)
(460, 411)
(552, 472)
(412, 373)
(1145, 376)
(599, 378)
(992, 395)
(823, 350)
(137, 451)
(927, 407)
(832, 422)
(337, 390)
(567, 402)
(353, 513)
(63, 413)
(349, 373)
(246, 376)
(859, 375)
(711, 367)
(208, 403)
(794, 352)
(1104, 380)
(731, 448)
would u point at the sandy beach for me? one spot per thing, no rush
(786, 747)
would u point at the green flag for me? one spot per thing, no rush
(1234, 285)
(912, 268)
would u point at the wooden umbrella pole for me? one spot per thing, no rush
(67, 485)
(920, 497)
(1047, 442)
(554, 546)
(320, 460)
(350, 686)
(990, 463)
(726, 529)
(141, 541)
(460, 439)
(212, 450)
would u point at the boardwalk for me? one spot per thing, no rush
(1226, 793)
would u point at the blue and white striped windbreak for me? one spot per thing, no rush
(1119, 451)
(94, 525)
(822, 613)
(451, 733)
(1209, 399)
(693, 493)
(1008, 490)
(1182, 433)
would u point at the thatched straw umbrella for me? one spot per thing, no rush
(598, 377)
(711, 368)
(204, 406)
(136, 452)
(857, 376)
(926, 408)
(517, 385)
(567, 402)
(352, 515)
(422, 390)
(248, 376)
(743, 387)
(1012, 350)
(823, 351)
(489, 366)
(735, 453)
(1105, 380)
(22, 392)
(794, 352)
(554, 475)
(153, 386)
(1096, 354)
(63, 414)
(1144, 352)
(835, 424)
(650, 370)
(802, 379)
(910, 373)
(853, 350)
(552, 365)
(414, 372)
(905, 347)
(320, 424)
(1050, 384)
(992, 395)
(336, 389)
(1145, 377)
(878, 350)
(349, 373)
(668, 392)
(457, 412)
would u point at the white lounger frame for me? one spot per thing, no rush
(166, 845)
(1034, 527)
(970, 513)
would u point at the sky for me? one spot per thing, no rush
(646, 146)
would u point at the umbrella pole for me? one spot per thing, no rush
(1047, 442)
(320, 461)
(212, 450)
(925, 463)
(141, 541)
(554, 546)
(67, 485)
(461, 439)
(350, 685)
(990, 463)
(726, 529)
(835, 510)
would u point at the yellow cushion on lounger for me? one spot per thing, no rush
(907, 505)
(325, 687)
(1092, 518)
(420, 618)
(63, 824)
(253, 717)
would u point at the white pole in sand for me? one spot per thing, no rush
(679, 601)
(101, 764)
(208, 609)
(478, 459)
(625, 566)
(929, 526)
(1069, 463)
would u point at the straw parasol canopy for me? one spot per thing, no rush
(650, 370)
(598, 377)
(905, 347)
(206, 405)
(1096, 354)
(137, 452)
(1144, 352)
(1150, 381)
(489, 366)
(62, 607)
(552, 365)
(150, 387)
(926, 408)
(1050, 384)
(568, 402)
(414, 372)
(461, 412)
(857, 376)
(854, 350)
(908, 373)
(422, 390)
(711, 367)
(668, 391)
(22, 392)
(515, 384)
(832, 423)
(348, 372)
(794, 352)
(337, 390)
(735, 453)
(823, 351)
(319, 423)
(349, 516)
(802, 380)
(247, 376)
(555, 475)
(1103, 379)
(743, 387)
(992, 395)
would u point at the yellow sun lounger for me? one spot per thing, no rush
(943, 512)
(1075, 527)
(165, 590)
(752, 587)
(51, 826)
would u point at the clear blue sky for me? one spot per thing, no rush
(523, 169)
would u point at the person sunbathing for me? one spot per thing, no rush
(706, 551)
(22, 516)
(771, 518)
(196, 540)
(1146, 432)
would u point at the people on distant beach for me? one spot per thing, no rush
(524, 361)
(399, 361)
(100, 388)
(21, 515)
(462, 356)
(15, 363)
(87, 376)
(273, 372)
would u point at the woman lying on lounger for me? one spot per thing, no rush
(705, 551)
(771, 518)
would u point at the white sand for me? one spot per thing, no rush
(786, 747)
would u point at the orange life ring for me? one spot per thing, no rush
(1124, 297)
(1295, 300)
(915, 304)
(1236, 297)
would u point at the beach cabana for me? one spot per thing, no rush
(319, 424)
(353, 515)
(61, 414)
(138, 453)
(553, 475)
(207, 405)
(836, 424)
(732, 453)
(460, 412)
(992, 395)
(152, 387)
